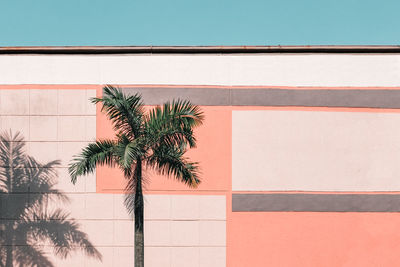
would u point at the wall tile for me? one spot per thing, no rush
(67, 151)
(212, 256)
(107, 254)
(184, 207)
(71, 102)
(100, 232)
(124, 233)
(16, 124)
(71, 128)
(184, 233)
(14, 102)
(212, 207)
(124, 256)
(76, 205)
(43, 128)
(43, 102)
(90, 181)
(75, 259)
(157, 257)
(15, 201)
(212, 233)
(157, 207)
(120, 211)
(181, 256)
(157, 233)
(43, 151)
(99, 206)
(65, 184)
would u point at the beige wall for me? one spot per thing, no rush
(315, 151)
(268, 69)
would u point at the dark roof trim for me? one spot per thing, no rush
(195, 49)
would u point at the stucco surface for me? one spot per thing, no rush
(271, 69)
(315, 151)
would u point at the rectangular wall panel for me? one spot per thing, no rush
(315, 151)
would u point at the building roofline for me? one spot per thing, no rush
(198, 49)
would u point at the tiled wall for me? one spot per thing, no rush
(185, 228)
(57, 124)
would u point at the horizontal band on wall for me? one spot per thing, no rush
(316, 202)
(352, 98)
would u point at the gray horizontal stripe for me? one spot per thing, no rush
(317, 202)
(198, 96)
(317, 98)
(272, 97)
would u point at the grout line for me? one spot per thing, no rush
(29, 115)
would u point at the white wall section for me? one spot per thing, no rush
(315, 151)
(268, 69)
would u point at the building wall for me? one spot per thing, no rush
(298, 155)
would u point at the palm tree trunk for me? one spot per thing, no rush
(139, 236)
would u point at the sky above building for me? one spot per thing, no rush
(205, 22)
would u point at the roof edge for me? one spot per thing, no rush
(198, 49)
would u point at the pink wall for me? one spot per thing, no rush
(313, 239)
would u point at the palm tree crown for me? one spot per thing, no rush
(157, 140)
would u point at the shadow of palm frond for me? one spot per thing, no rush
(27, 188)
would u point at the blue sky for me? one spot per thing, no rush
(200, 22)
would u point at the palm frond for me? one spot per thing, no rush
(170, 161)
(180, 111)
(98, 153)
(127, 151)
(125, 112)
(173, 123)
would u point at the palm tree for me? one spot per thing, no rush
(157, 140)
(27, 221)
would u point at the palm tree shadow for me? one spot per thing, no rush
(27, 189)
